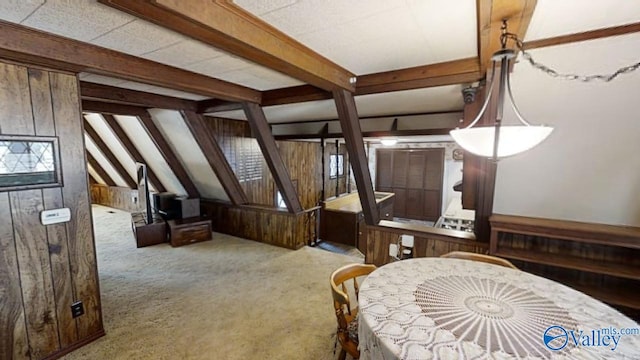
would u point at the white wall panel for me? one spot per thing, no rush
(588, 169)
(104, 162)
(132, 127)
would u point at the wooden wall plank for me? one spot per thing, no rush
(41, 102)
(60, 271)
(14, 343)
(82, 256)
(35, 272)
(15, 101)
(114, 196)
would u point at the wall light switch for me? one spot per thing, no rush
(55, 216)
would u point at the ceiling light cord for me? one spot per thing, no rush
(555, 74)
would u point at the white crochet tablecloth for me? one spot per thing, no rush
(433, 308)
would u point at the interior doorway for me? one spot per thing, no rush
(415, 176)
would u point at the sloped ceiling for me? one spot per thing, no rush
(104, 163)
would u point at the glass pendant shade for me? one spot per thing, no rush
(512, 140)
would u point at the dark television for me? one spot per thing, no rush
(144, 202)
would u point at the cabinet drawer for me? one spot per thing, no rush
(188, 234)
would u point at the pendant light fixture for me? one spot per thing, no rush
(498, 141)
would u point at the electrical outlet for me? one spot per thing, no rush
(77, 309)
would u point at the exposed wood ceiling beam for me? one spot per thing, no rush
(328, 135)
(96, 166)
(583, 36)
(112, 94)
(167, 153)
(444, 73)
(490, 14)
(111, 108)
(261, 131)
(23, 44)
(215, 157)
(440, 74)
(228, 27)
(348, 114)
(126, 142)
(217, 105)
(106, 151)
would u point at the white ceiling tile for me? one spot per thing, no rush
(554, 18)
(132, 85)
(219, 65)
(80, 20)
(175, 93)
(260, 7)
(183, 53)
(259, 78)
(16, 11)
(138, 37)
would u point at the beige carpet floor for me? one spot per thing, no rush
(228, 298)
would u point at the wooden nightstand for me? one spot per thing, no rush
(189, 230)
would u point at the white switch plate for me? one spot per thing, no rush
(55, 216)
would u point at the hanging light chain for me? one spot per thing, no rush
(553, 73)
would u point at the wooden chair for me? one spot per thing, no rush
(479, 257)
(346, 312)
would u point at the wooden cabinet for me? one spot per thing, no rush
(148, 234)
(341, 219)
(189, 230)
(600, 260)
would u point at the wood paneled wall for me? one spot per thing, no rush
(330, 183)
(266, 225)
(302, 160)
(428, 242)
(115, 197)
(43, 270)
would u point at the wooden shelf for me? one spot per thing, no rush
(571, 262)
(614, 281)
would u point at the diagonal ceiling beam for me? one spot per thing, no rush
(111, 94)
(96, 166)
(215, 157)
(167, 153)
(230, 28)
(490, 15)
(261, 131)
(23, 44)
(106, 151)
(126, 142)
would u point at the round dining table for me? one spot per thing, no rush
(442, 308)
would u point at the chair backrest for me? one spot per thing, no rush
(345, 311)
(479, 257)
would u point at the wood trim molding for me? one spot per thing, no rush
(126, 142)
(326, 135)
(216, 158)
(165, 150)
(583, 36)
(348, 115)
(112, 94)
(96, 166)
(490, 14)
(28, 45)
(230, 28)
(262, 132)
(106, 151)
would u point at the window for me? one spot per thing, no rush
(245, 159)
(336, 165)
(280, 204)
(29, 162)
